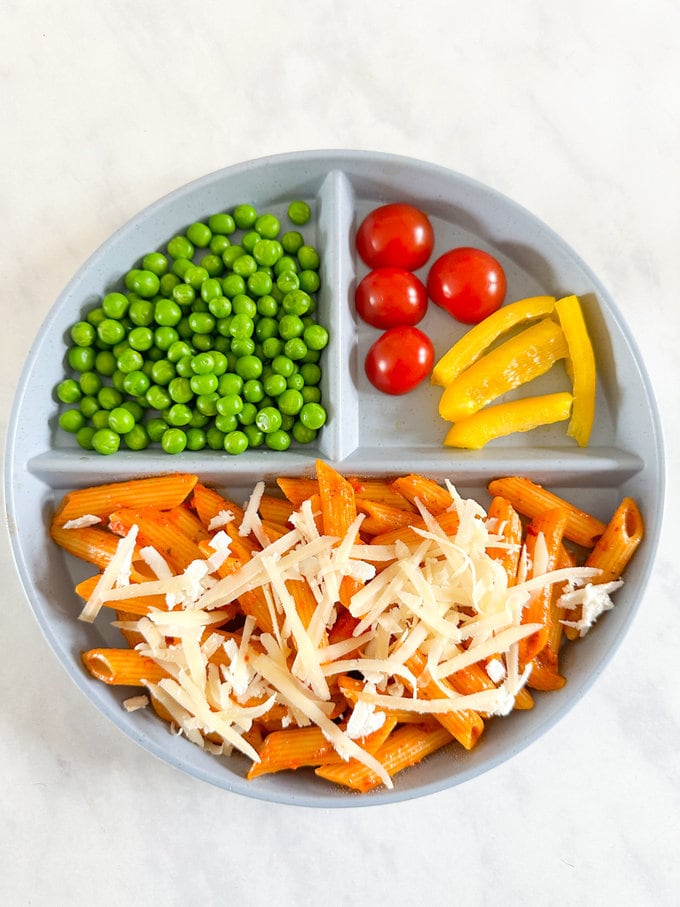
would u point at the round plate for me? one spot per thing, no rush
(367, 433)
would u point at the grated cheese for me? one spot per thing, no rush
(442, 598)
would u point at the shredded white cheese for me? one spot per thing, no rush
(442, 598)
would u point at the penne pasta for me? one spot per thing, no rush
(159, 492)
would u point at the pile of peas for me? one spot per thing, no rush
(213, 344)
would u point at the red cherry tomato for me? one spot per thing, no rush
(468, 283)
(399, 360)
(388, 297)
(395, 236)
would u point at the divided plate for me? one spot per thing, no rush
(367, 433)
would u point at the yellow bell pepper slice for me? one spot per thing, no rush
(580, 367)
(479, 338)
(522, 358)
(506, 418)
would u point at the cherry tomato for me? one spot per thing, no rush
(468, 283)
(399, 360)
(388, 297)
(395, 236)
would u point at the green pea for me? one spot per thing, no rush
(110, 331)
(233, 285)
(315, 337)
(203, 384)
(199, 234)
(254, 434)
(105, 441)
(163, 371)
(244, 216)
(81, 358)
(184, 295)
(167, 312)
(180, 266)
(247, 414)
(242, 346)
(286, 263)
(173, 440)
(180, 390)
(178, 415)
(118, 380)
(274, 385)
(299, 212)
(121, 420)
(183, 367)
(248, 367)
(95, 315)
(221, 362)
(241, 326)
(194, 276)
(235, 442)
(215, 438)
(290, 402)
(309, 281)
(218, 244)
(311, 394)
(249, 240)
(84, 437)
(90, 383)
(312, 415)
(291, 241)
(211, 288)
(244, 266)
(287, 281)
(82, 333)
(267, 306)
(268, 419)
(196, 438)
(296, 302)
(158, 397)
(277, 440)
(295, 381)
(272, 347)
(290, 326)
(141, 312)
(229, 405)
(267, 252)
(129, 361)
(302, 434)
(268, 226)
(105, 363)
(137, 438)
(226, 423)
(260, 284)
(100, 419)
(308, 258)
(178, 350)
(164, 337)
(141, 338)
(69, 391)
(109, 398)
(155, 262)
(156, 428)
(310, 372)
(253, 391)
(168, 284)
(222, 224)
(144, 283)
(201, 322)
(295, 348)
(71, 420)
(180, 247)
(206, 404)
(231, 254)
(220, 307)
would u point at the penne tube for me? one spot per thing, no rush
(618, 542)
(381, 517)
(406, 746)
(506, 522)
(122, 667)
(448, 522)
(530, 500)
(430, 493)
(159, 492)
(275, 510)
(209, 504)
(544, 546)
(157, 530)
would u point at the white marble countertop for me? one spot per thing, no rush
(570, 109)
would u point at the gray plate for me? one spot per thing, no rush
(367, 432)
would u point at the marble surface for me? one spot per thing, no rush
(571, 109)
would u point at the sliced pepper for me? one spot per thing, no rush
(520, 359)
(580, 367)
(506, 418)
(479, 338)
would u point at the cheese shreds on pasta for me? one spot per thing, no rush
(441, 599)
